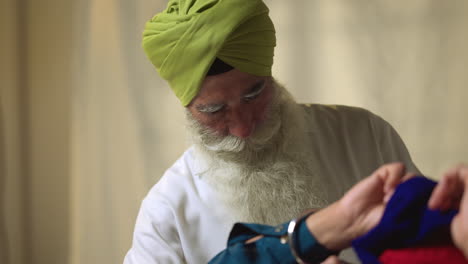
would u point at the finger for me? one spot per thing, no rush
(460, 185)
(391, 190)
(394, 173)
(332, 260)
(463, 176)
(408, 176)
(438, 194)
(459, 234)
(384, 171)
(448, 192)
(459, 227)
(374, 185)
(393, 183)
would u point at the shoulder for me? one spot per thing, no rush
(176, 183)
(337, 110)
(340, 115)
(349, 121)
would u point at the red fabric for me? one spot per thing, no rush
(423, 255)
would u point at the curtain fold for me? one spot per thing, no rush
(12, 193)
(121, 113)
(406, 62)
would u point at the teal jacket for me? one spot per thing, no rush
(269, 249)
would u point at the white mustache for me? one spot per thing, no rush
(228, 143)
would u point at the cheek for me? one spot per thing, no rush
(213, 123)
(260, 109)
(217, 127)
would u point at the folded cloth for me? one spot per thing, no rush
(184, 40)
(408, 223)
(424, 254)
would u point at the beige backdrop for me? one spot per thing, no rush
(87, 126)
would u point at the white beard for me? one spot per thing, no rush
(269, 177)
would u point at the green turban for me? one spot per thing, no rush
(183, 41)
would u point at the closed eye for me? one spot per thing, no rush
(255, 91)
(210, 109)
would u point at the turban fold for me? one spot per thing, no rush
(183, 41)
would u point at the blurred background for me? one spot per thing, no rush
(87, 126)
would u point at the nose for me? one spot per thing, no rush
(241, 123)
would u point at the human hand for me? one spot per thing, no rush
(332, 260)
(450, 193)
(359, 210)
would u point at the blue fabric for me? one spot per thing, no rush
(406, 222)
(269, 249)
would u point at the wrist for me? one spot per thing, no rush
(332, 227)
(309, 248)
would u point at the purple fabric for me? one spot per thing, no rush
(406, 222)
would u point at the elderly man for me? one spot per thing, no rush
(257, 155)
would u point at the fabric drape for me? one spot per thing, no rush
(183, 41)
(407, 62)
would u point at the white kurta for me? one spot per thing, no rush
(181, 220)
